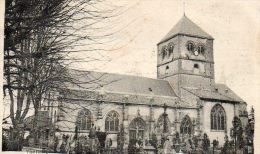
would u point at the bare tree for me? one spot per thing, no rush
(38, 37)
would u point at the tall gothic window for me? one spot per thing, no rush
(112, 121)
(218, 118)
(186, 125)
(136, 128)
(84, 119)
(160, 124)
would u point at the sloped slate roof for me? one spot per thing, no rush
(121, 98)
(225, 90)
(186, 27)
(221, 92)
(117, 83)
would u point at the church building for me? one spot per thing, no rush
(184, 98)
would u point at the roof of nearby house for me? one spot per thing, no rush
(118, 83)
(218, 92)
(186, 27)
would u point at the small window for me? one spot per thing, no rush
(167, 70)
(196, 66)
(196, 69)
(190, 46)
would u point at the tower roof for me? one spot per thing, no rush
(186, 27)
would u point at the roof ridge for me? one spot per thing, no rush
(185, 26)
(129, 75)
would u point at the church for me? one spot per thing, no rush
(183, 99)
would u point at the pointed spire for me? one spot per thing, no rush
(183, 7)
(186, 27)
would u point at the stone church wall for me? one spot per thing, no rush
(68, 116)
(133, 111)
(219, 135)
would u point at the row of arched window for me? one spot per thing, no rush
(195, 49)
(167, 50)
(137, 126)
(84, 120)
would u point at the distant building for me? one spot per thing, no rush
(185, 90)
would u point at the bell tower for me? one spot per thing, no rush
(185, 56)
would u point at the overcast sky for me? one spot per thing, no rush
(235, 26)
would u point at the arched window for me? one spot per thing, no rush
(84, 119)
(190, 46)
(160, 124)
(201, 49)
(164, 51)
(170, 48)
(186, 125)
(218, 118)
(112, 121)
(136, 128)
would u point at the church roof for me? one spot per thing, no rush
(118, 98)
(186, 27)
(221, 92)
(118, 83)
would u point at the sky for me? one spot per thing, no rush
(235, 26)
